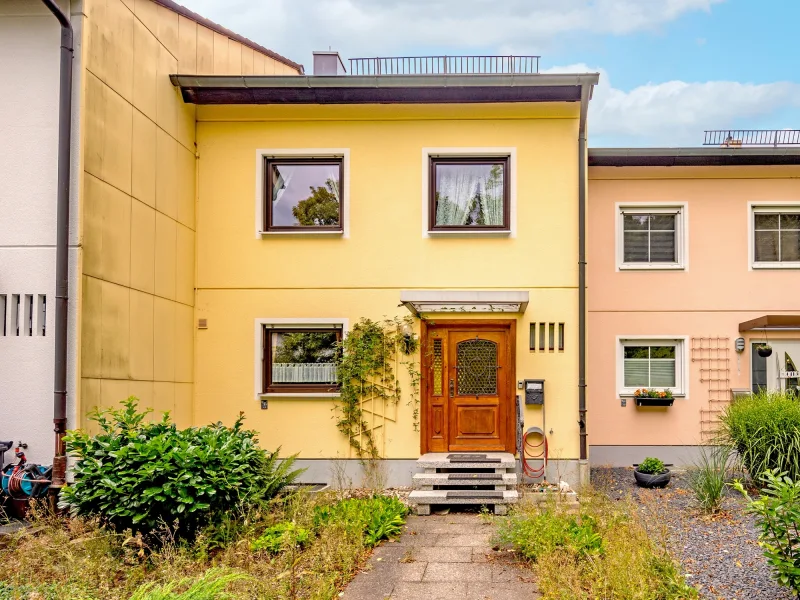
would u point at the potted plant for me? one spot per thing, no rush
(653, 397)
(651, 473)
(764, 350)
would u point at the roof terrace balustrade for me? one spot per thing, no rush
(736, 138)
(445, 65)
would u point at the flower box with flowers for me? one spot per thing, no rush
(651, 397)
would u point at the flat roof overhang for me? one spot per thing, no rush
(692, 157)
(464, 301)
(772, 323)
(381, 89)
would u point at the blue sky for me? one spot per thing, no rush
(669, 68)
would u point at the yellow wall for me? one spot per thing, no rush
(241, 278)
(138, 199)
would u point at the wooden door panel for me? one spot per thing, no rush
(476, 409)
(477, 420)
(468, 394)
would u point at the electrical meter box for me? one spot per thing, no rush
(534, 391)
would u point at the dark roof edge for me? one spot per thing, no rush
(693, 157)
(185, 12)
(381, 81)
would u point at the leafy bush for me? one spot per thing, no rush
(281, 536)
(143, 475)
(651, 466)
(605, 552)
(379, 517)
(210, 586)
(538, 535)
(777, 514)
(707, 478)
(764, 428)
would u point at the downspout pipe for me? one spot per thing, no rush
(586, 93)
(62, 247)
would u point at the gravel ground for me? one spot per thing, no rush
(720, 555)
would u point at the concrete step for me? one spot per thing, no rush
(498, 461)
(424, 499)
(428, 480)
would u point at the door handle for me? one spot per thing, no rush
(452, 388)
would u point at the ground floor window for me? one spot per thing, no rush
(300, 359)
(651, 363)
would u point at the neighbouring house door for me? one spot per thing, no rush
(469, 402)
(780, 371)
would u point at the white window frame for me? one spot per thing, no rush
(681, 388)
(461, 152)
(277, 153)
(289, 323)
(680, 209)
(766, 207)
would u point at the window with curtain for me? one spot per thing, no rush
(777, 236)
(304, 194)
(652, 364)
(469, 193)
(300, 360)
(651, 238)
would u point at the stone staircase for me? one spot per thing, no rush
(482, 478)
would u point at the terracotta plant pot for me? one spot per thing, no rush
(652, 480)
(764, 352)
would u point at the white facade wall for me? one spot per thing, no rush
(29, 96)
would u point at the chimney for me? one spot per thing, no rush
(328, 62)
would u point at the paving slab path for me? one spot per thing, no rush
(442, 557)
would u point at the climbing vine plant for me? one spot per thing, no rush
(365, 370)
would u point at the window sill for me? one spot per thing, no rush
(775, 265)
(273, 395)
(651, 267)
(498, 233)
(303, 232)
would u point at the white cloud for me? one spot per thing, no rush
(677, 112)
(379, 27)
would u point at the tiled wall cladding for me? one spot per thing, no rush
(139, 199)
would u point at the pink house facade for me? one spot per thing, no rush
(693, 260)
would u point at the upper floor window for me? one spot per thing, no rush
(651, 238)
(300, 359)
(652, 364)
(469, 194)
(304, 194)
(776, 237)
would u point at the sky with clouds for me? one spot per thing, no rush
(669, 68)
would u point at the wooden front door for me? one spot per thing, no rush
(469, 386)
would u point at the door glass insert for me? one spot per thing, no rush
(476, 363)
(759, 370)
(438, 365)
(790, 368)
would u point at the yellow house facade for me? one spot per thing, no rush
(509, 280)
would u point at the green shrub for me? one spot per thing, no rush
(281, 536)
(210, 586)
(764, 428)
(379, 517)
(144, 475)
(707, 478)
(777, 514)
(605, 552)
(651, 466)
(538, 535)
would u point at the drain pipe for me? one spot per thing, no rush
(586, 92)
(62, 248)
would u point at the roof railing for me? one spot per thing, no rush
(445, 65)
(736, 138)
